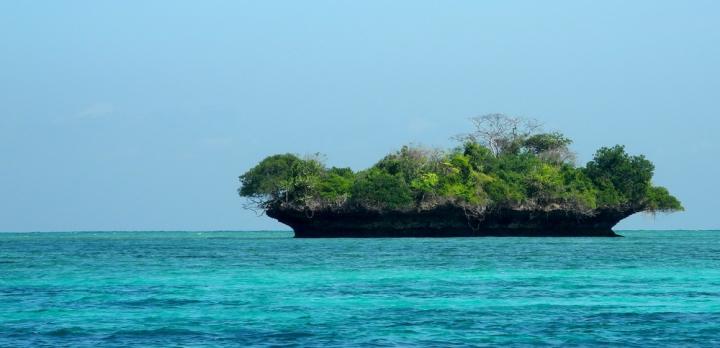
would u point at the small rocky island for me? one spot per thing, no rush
(506, 178)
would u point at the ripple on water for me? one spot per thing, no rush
(264, 289)
(157, 302)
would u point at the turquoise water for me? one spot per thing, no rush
(266, 289)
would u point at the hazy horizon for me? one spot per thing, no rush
(141, 115)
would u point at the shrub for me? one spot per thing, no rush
(377, 189)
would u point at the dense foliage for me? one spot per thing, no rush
(509, 166)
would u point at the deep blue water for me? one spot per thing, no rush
(197, 289)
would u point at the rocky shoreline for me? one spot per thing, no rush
(447, 221)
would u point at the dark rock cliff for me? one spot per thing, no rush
(447, 221)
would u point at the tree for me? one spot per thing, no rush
(480, 157)
(625, 178)
(378, 189)
(283, 177)
(271, 179)
(542, 142)
(501, 133)
(336, 184)
(305, 179)
(426, 184)
(659, 199)
(459, 182)
(551, 147)
(409, 162)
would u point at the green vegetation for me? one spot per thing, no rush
(506, 162)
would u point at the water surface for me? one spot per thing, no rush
(651, 288)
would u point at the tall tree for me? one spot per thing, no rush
(501, 133)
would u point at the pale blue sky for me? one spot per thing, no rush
(132, 115)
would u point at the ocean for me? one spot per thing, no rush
(206, 289)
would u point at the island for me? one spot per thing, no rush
(507, 177)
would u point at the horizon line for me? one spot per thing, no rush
(265, 230)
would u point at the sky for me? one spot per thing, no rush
(141, 115)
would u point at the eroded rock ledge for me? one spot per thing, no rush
(446, 221)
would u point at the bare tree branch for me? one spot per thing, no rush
(499, 131)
